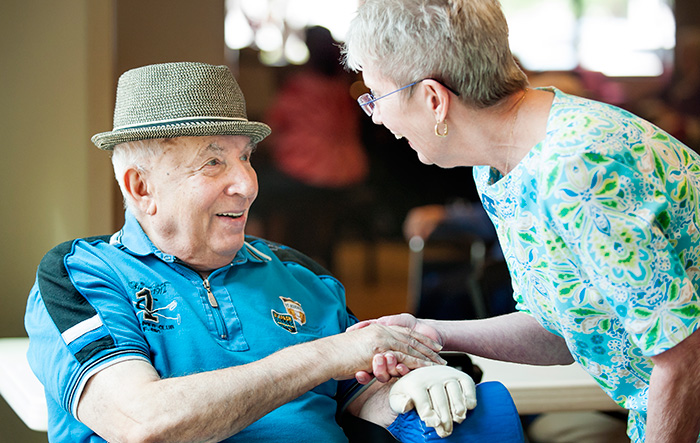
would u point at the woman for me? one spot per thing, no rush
(596, 209)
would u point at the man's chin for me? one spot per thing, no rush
(228, 248)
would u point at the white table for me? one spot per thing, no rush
(18, 385)
(537, 389)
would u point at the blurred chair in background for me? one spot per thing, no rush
(457, 269)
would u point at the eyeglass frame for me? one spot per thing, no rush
(369, 111)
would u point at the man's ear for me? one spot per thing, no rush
(136, 187)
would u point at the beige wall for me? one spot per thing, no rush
(54, 186)
(58, 70)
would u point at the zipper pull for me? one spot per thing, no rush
(210, 295)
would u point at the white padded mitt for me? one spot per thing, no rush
(440, 394)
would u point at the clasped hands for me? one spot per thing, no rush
(440, 394)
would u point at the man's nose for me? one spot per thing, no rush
(242, 181)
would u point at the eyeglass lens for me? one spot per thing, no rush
(366, 102)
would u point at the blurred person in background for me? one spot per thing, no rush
(317, 157)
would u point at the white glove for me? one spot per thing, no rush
(440, 394)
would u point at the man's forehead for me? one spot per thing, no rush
(211, 144)
(222, 142)
(213, 147)
(188, 151)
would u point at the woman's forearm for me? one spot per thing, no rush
(515, 337)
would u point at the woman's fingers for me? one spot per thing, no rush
(416, 345)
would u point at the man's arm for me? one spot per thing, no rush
(673, 411)
(373, 404)
(129, 401)
(440, 395)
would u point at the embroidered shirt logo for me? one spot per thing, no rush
(152, 316)
(294, 314)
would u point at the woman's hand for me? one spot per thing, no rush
(387, 365)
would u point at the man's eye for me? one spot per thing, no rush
(245, 157)
(213, 162)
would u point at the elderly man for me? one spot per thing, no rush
(180, 328)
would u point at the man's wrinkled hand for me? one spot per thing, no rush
(356, 350)
(440, 394)
(385, 366)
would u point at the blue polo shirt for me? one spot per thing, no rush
(98, 301)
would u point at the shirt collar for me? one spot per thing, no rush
(133, 239)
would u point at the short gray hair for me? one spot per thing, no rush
(461, 43)
(139, 154)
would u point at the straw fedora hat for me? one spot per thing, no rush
(178, 100)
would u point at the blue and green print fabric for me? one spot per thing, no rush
(600, 227)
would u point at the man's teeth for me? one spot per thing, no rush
(398, 136)
(231, 214)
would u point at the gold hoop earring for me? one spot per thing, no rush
(443, 132)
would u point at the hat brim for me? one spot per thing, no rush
(255, 130)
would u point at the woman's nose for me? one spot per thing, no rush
(376, 117)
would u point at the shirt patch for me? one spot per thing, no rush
(155, 318)
(294, 314)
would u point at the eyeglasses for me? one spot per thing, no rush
(367, 99)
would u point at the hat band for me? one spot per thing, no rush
(178, 120)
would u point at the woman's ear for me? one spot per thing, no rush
(136, 188)
(438, 99)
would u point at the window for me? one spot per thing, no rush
(275, 27)
(615, 37)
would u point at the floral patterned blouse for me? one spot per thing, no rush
(600, 226)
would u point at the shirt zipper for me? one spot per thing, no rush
(210, 295)
(218, 319)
